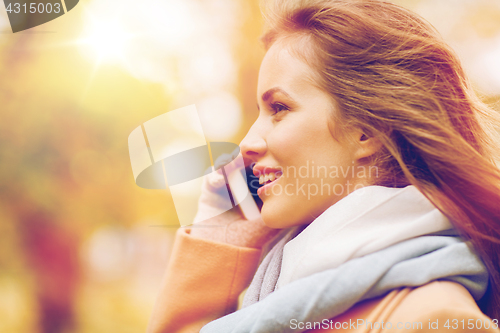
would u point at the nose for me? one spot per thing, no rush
(253, 146)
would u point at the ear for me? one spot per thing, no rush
(365, 145)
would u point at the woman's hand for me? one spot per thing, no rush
(227, 226)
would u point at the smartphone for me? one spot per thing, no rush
(243, 185)
(253, 185)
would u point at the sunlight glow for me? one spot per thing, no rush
(107, 40)
(184, 45)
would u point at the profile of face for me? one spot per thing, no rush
(305, 169)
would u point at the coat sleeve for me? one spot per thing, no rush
(439, 307)
(202, 283)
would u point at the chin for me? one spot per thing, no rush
(279, 218)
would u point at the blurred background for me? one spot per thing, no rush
(82, 248)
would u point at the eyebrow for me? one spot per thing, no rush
(267, 95)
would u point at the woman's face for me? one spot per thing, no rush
(291, 138)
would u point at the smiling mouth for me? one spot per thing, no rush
(269, 178)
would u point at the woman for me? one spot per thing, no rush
(378, 162)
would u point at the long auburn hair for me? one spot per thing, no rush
(391, 74)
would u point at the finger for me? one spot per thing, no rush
(235, 152)
(216, 179)
(235, 163)
(222, 160)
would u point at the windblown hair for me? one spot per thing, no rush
(391, 74)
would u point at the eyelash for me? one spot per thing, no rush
(275, 107)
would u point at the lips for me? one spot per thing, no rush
(259, 170)
(267, 176)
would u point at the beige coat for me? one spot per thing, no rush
(204, 279)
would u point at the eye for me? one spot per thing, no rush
(278, 107)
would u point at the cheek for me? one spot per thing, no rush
(297, 140)
(282, 141)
